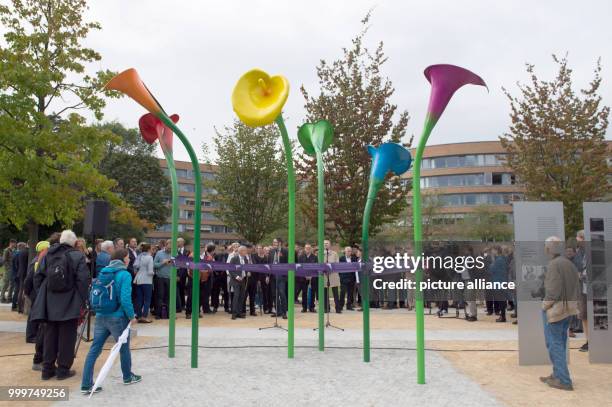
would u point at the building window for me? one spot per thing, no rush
(186, 214)
(186, 187)
(458, 161)
(208, 216)
(460, 180)
(479, 199)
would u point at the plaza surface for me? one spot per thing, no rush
(468, 363)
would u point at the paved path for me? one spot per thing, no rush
(265, 377)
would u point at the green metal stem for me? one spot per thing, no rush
(291, 234)
(418, 247)
(320, 239)
(364, 279)
(175, 213)
(195, 286)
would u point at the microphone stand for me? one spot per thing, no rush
(328, 324)
(275, 325)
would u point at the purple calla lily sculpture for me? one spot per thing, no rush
(445, 81)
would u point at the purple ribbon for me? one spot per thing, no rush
(302, 270)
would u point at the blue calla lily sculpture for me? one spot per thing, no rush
(315, 138)
(388, 157)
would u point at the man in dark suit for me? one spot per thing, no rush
(181, 275)
(237, 282)
(266, 280)
(308, 257)
(219, 284)
(347, 280)
(278, 254)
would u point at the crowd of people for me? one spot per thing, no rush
(54, 289)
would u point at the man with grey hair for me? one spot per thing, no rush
(561, 292)
(62, 284)
(103, 258)
(237, 282)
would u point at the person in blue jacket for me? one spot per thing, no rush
(499, 274)
(113, 323)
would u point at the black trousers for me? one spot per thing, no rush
(347, 295)
(501, 307)
(238, 300)
(181, 285)
(205, 289)
(32, 328)
(336, 299)
(299, 288)
(314, 288)
(59, 343)
(162, 291)
(219, 285)
(267, 290)
(251, 291)
(40, 343)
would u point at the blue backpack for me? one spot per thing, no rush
(104, 294)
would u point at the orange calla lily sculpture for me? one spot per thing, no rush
(158, 125)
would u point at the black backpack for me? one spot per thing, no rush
(59, 272)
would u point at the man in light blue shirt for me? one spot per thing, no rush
(163, 265)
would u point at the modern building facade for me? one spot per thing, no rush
(461, 176)
(465, 176)
(212, 229)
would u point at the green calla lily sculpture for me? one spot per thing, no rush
(315, 138)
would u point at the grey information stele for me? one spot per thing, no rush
(534, 222)
(598, 235)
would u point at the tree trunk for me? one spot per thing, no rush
(32, 238)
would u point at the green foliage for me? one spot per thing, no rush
(354, 97)
(556, 141)
(251, 180)
(141, 183)
(49, 154)
(487, 224)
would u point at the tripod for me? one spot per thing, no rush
(275, 325)
(328, 324)
(86, 324)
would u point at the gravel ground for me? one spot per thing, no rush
(265, 377)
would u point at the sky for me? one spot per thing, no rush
(190, 53)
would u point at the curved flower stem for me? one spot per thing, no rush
(174, 252)
(320, 239)
(418, 247)
(195, 292)
(291, 234)
(364, 279)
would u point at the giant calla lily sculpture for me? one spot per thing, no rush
(388, 157)
(315, 138)
(445, 81)
(153, 127)
(258, 100)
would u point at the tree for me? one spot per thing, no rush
(556, 142)
(487, 224)
(354, 97)
(141, 183)
(48, 153)
(251, 182)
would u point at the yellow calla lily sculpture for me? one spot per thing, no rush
(258, 98)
